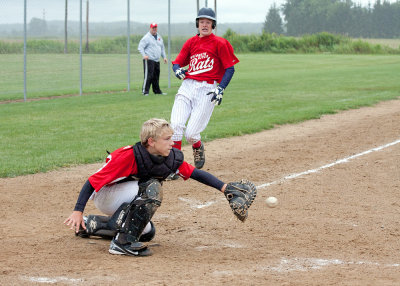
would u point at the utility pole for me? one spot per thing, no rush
(87, 27)
(215, 10)
(66, 28)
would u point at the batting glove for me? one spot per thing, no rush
(180, 73)
(217, 95)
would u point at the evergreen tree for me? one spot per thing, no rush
(273, 21)
(342, 17)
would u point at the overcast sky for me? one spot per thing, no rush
(146, 11)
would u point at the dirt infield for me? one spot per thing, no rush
(337, 223)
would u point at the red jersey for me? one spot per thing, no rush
(121, 164)
(207, 57)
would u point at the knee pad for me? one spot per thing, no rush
(142, 210)
(151, 192)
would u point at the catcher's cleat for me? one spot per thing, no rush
(199, 156)
(131, 249)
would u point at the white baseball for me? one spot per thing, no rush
(271, 202)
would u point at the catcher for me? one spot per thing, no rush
(128, 189)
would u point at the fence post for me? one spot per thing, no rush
(129, 45)
(24, 50)
(80, 48)
(169, 43)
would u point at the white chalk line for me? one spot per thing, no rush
(304, 264)
(340, 161)
(53, 280)
(195, 204)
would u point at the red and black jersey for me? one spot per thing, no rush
(208, 58)
(122, 164)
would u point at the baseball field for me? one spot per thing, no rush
(319, 132)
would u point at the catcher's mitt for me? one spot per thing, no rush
(240, 196)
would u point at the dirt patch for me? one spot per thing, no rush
(337, 221)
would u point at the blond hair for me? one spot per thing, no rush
(154, 128)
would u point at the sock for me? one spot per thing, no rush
(197, 144)
(177, 145)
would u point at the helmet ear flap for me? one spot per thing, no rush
(197, 23)
(214, 25)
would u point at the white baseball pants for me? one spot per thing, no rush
(192, 106)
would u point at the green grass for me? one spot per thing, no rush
(266, 90)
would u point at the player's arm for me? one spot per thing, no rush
(86, 191)
(218, 92)
(182, 60)
(240, 195)
(226, 79)
(180, 73)
(76, 218)
(187, 171)
(228, 60)
(208, 179)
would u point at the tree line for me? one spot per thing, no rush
(300, 17)
(265, 42)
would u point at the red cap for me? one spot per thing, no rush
(153, 25)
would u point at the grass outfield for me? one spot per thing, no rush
(266, 90)
(58, 74)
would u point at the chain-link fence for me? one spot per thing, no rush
(81, 46)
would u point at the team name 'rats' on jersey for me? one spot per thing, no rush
(207, 57)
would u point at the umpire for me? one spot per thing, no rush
(151, 46)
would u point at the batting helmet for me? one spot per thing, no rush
(206, 13)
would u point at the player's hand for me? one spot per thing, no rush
(180, 73)
(75, 220)
(217, 95)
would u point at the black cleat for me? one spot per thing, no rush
(131, 249)
(199, 156)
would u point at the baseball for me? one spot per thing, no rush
(272, 202)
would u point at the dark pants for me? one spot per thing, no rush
(151, 76)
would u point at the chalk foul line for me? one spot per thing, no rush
(195, 204)
(340, 161)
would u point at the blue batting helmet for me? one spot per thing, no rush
(206, 13)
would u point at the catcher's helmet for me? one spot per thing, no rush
(206, 13)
